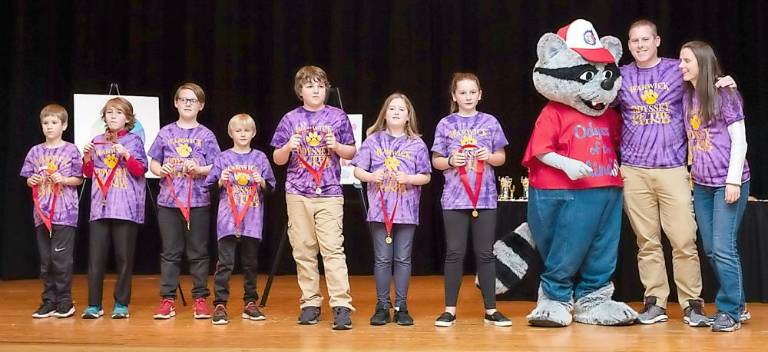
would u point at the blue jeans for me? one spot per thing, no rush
(719, 227)
(577, 234)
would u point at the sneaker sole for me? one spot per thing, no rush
(120, 316)
(248, 317)
(342, 327)
(43, 316)
(498, 323)
(220, 322)
(407, 323)
(92, 316)
(445, 324)
(657, 319)
(308, 322)
(700, 324)
(164, 316)
(68, 314)
(731, 329)
(201, 316)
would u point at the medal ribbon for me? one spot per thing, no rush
(388, 219)
(317, 174)
(236, 214)
(105, 185)
(47, 219)
(185, 209)
(479, 169)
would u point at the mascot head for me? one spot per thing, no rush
(577, 68)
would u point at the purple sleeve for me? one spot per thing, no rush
(731, 106)
(499, 139)
(266, 170)
(211, 148)
(363, 157)
(213, 175)
(423, 163)
(282, 133)
(75, 164)
(440, 146)
(156, 150)
(344, 131)
(28, 168)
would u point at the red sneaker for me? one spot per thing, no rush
(201, 309)
(166, 310)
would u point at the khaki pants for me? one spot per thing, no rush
(315, 225)
(656, 199)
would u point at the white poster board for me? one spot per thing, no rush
(347, 171)
(88, 123)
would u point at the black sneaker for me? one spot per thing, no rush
(65, 309)
(309, 316)
(381, 315)
(445, 320)
(497, 319)
(220, 316)
(402, 317)
(46, 309)
(341, 318)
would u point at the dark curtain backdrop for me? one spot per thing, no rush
(244, 53)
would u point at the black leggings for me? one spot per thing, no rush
(122, 235)
(457, 226)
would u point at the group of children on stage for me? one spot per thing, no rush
(311, 139)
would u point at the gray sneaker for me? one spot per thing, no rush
(309, 315)
(652, 313)
(694, 314)
(341, 318)
(724, 323)
(744, 314)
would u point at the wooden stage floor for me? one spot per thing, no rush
(20, 332)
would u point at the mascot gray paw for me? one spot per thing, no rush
(598, 308)
(550, 313)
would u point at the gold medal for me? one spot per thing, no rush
(318, 190)
(475, 213)
(388, 239)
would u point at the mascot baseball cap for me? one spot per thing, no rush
(581, 36)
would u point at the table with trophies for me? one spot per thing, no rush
(753, 248)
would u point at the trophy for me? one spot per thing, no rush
(507, 188)
(524, 182)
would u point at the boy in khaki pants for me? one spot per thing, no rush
(311, 139)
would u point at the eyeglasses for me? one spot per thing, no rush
(187, 100)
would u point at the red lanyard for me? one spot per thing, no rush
(388, 219)
(237, 214)
(479, 169)
(317, 174)
(47, 219)
(185, 209)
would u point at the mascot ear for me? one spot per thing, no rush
(613, 45)
(550, 44)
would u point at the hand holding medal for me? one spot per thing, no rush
(241, 176)
(313, 140)
(474, 196)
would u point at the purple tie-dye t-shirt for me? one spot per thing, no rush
(242, 169)
(453, 131)
(407, 154)
(710, 144)
(65, 160)
(650, 101)
(313, 126)
(125, 198)
(174, 145)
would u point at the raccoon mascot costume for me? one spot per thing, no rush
(575, 197)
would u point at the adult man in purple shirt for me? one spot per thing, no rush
(656, 181)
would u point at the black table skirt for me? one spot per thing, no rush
(753, 248)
